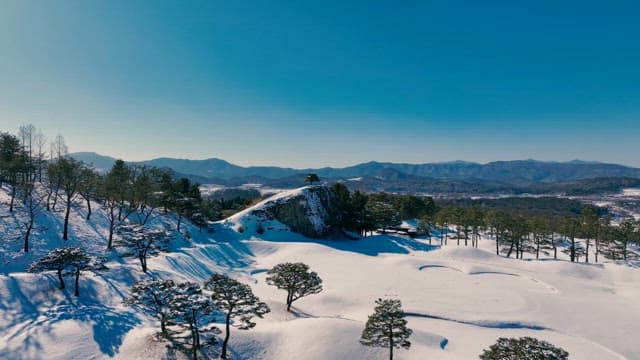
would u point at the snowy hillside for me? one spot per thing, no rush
(459, 300)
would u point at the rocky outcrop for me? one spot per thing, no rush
(307, 211)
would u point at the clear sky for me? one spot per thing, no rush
(327, 83)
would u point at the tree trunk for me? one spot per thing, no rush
(77, 292)
(194, 349)
(573, 248)
(28, 233)
(163, 325)
(226, 336)
(586, 254)
(88, 209)
(391, 342)
(597, 247)
(511, 249)
(55, 200)
(112, 220)
(497, 243)
(179, 220)
(13, 197)
(61, 279)
(143, 262)
(466, 237)
(65, 232)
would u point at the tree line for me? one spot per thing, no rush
(589, 232)
(518, 225)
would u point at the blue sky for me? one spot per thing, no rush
(327, 83)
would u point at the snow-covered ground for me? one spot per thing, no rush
(459, 300)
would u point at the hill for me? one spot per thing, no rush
(458, 300)
(515, 173)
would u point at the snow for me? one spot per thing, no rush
(631, 192)
(458, 300)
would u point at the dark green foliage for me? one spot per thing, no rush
(348, 211)
(311, 178)
(237, 301)
(524, 348)
(185, 198)
(532, 206)
(190, 316)
(14, 164)
(71, 177)
(387, 327)
(296, 279)
(60, 259)
(153, 297)
(142, 242)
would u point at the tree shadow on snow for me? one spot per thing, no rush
(109, 325)
(378, 244)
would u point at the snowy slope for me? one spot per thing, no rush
(459, 300)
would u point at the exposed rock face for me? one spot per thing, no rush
(308, 213)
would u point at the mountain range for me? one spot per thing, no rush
(458, 176)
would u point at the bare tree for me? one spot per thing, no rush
(33, 203)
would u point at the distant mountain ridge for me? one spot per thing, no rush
(517, 172)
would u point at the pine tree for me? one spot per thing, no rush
(60, 259)
(71, 174)
(113, 191)
(13, 164)
(56, 260)
(142, 241)
(387, 327)
(237, 301)
(153, 297)
(296, 279)
(525, 348)
(190, 310)
(311, 178)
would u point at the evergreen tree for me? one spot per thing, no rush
(383, 214)
(153, 297)
(114, 191)
(143, 242)
(60, 259)
(89, 187)
(13, 164)
(311, 178)
(296, 279)
(237, 301)
(56, 260)
(387, 327)
(185, 199)
(525, 348)
(190, 311)
(71, 176)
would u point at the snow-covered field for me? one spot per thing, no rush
(459, 300)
